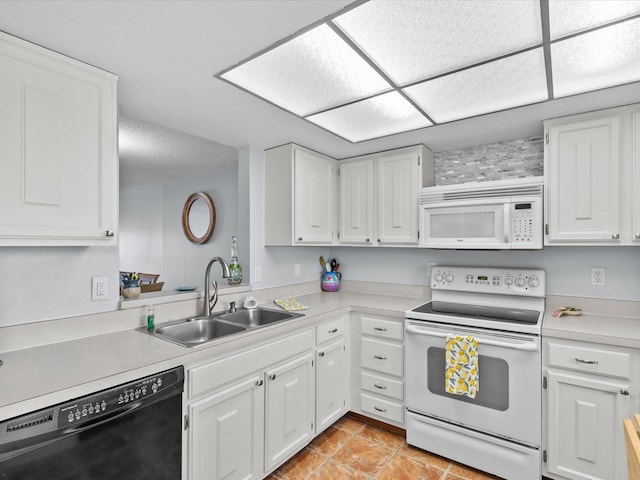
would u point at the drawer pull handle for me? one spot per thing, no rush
(259, 383)
(110, 233)
(333, 331)
(321, 354)
(380, 409)
(272, 376)
(379, 329)
(381, 387)
(588, 362)
(379, 357)
(624, 392)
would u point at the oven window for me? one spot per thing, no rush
(493, 374)
(463, 225)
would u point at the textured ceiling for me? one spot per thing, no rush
(166, 54)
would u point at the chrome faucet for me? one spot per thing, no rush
(232, 307)
(211, 300)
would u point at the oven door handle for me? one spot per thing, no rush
(530, 347)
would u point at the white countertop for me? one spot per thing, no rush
(36, 377)
(594, 327)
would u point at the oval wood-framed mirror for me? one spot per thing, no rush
(199, 217)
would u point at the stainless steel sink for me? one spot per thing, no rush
(256, 317)
(194, 331)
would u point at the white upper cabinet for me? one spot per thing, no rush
(379, 196)
(58, 152)
(300, 193)
(356, 201)
(399, 185)
(591, 175)
(635, 230)
(314, 187)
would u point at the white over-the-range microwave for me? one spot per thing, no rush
(493, 215)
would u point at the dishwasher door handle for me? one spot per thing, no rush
(526, 346)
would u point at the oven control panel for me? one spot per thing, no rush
(506, 281)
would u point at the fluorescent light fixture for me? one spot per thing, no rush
(355, 72)
(372, 118)
(510, 82)
(572, 16)
(413, 41)
(312, 72)
(599, 59)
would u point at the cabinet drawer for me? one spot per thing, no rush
(381, 386)
(378, 327)
(327, 331)
(381, 408)
(381, 356)
(592, 360)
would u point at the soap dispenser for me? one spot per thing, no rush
(234, 266)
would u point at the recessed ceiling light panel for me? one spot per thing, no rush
(372, 118)
(599, 59)
(572, 16)
(312, 72)
(416, 40)
(507, 83)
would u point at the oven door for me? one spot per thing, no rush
(474, 223)
(509, 368)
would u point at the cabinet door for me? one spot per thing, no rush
(635, 232)
(398, 195)
(356, 202)
(289, 410)
(226, 433)
(314, 202)
(584, 427)
(583, 194)
(331, 380)
(59, 159)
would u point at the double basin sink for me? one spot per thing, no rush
(193, 331)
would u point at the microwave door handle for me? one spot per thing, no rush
(531, 347)
(507, 223)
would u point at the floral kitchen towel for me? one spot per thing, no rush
(291, 304)
(461, 375)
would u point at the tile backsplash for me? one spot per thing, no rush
(519, 158)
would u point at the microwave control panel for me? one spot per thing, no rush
(522, 223)
(505, 281)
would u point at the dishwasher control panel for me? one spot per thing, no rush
(115, 398)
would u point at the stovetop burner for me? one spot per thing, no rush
(494, 298)
(480, 312)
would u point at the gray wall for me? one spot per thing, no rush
(151, 235)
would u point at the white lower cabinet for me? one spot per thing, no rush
(331, 384)
(250, 411)
(289, 410)
(227, 431)
(379, 352)
(588, 392)
(332, 372)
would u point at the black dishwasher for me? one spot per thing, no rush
(131, 431)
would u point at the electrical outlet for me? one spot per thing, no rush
(99, 288)
(297, 268)
(597, 276)
(257, 275)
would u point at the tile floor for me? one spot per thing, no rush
(354, 450)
